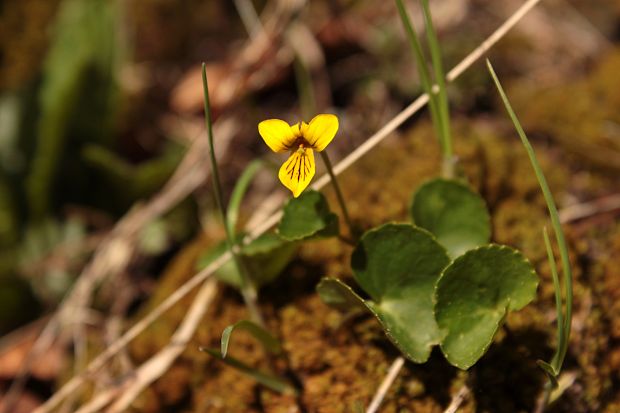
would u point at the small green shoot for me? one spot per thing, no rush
(248, 290)
(421, 63)
(564, 322)
(268, 380)
(438, 98)
(558, 299)
(442, 98)
(269, 342)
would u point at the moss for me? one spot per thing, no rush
(582, 116)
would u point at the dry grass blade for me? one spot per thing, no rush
(457, 400)
(591, 208)
(386, 384)
(341, 166)
(151, 370)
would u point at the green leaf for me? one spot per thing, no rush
(307, 216)
(398, 266)
(274, 383)
(473, 296)
(265, 257)
(337, 294)
(454, 213)
(153, 238)
(269, 342)
(227, 273)
(397, 322)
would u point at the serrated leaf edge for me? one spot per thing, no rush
(507, 308)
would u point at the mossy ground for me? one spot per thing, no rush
(339, 361)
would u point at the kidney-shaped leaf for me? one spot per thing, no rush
(454, 213)
(307, 216)
(398, 266)
(473, 296)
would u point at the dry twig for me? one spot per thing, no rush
(458, 399)
(126, 392)
(386, 384)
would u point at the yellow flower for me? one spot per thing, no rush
(301, 139)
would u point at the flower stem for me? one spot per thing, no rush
(248, 290)
(343, 206)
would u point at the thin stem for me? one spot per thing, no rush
(558, 298)
(557, 229)
(442, 98)
(248, 290)
(343, 206)
(425, 77)
(385, 385)
(553, 213)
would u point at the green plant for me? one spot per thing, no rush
(564, 311)
(437, 281)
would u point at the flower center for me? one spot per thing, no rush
(300, 141)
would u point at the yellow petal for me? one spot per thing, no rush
(298, 170)
(277, 134)
(321, 130)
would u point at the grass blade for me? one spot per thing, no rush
(269, 342)
(558, 298)
(442, 97)
(555, 219)
(267, 380)
(238, 193)
(425, 77)
(248, 290)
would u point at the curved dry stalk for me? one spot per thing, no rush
(159, 364)
(341, 166)
(590, 208)
(125, 393)
(386, 384)
(458, 399)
